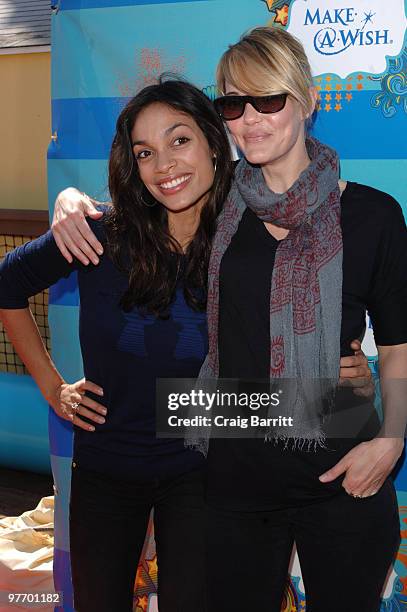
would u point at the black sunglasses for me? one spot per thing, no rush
(232, 107)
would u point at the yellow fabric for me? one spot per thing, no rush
(26, 553)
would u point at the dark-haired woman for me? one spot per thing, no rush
(141, 317)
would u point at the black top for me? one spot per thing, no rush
(123, 352)
(374, 278)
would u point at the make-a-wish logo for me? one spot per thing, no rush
(343, 36)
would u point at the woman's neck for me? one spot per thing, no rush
(282, 173)
(183, 225)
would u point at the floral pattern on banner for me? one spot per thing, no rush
(393, 94)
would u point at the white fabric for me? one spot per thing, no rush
(26, 554)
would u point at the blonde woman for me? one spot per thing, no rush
(297, 259)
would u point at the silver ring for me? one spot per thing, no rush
(356, 495)
(75, 409)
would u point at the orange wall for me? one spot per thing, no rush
(25, 127)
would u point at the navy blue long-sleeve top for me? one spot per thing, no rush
(122, 352)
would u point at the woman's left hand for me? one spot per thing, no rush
(355, 372)
(366, 466)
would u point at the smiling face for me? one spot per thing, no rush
(265, 139)
(174, 159)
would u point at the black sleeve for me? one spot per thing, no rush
(30, 269)
(387, 304)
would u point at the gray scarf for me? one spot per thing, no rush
(306, 289)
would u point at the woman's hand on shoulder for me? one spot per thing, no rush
(366, 466)
(342, 185)
(70, 229)
(355, 372)
(70, 402)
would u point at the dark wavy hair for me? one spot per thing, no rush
(138, 237)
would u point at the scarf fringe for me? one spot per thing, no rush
(201, 445)
(298, 443)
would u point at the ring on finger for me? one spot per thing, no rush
(75, 409)
(356, 495)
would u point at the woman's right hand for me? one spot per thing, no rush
(70, 229)
(70, 403)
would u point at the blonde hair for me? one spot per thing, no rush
(264, 61)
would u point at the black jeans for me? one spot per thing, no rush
(345, 547)
(108, 522)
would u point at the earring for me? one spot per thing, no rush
(215, 164)
(147, 204)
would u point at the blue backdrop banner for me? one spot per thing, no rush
(104, 51)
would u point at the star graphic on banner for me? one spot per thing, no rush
(368, 18)
(338, 96)
(338, 86)
(142, 602)
(282, 15)
(327, 107)
(328, 87)
(359, 86)
(360, 77)
(328, 78)
(349, 86)
(349, 97)
(328, 97)
(338, 107)
(269, 4)
(318, 87)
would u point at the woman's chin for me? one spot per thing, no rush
(257, 158)
(179, 207)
